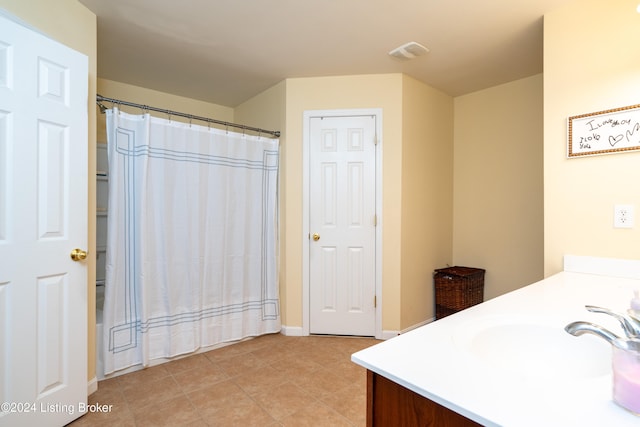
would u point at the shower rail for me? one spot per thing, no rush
(103, 108)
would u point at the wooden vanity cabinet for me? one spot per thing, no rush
(390, 404)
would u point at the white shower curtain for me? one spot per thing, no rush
(192, 238)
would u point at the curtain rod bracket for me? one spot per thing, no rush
(103, 108)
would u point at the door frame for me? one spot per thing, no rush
(306, 140)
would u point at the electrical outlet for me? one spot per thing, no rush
(623, 216)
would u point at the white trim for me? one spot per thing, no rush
(292, 331)
(417, 325)
(387, 335)
(391, 334)
(307, 115)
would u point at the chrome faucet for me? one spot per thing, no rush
(630, 325)
(579, 328)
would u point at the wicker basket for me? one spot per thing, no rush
(457, 288)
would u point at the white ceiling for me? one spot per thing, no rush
(227, 51)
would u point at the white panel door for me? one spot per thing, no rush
(43, 216)
(342, 179)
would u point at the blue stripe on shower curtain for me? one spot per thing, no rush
(191, 241)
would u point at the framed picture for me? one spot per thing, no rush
(604, 132)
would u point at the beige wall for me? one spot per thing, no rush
(498, 185)
(416, 118)
(265, 110)
(70, 23)
(591, 64)
(324, 93)
(427, 196)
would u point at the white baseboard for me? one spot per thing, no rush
(92, 386)
(417, 325)
(291, 331)
(390, 334)
(297, 331)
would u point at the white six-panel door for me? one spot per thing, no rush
(342, 221)
(43, 216)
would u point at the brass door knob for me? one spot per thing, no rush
(78, 254)
(316, 237)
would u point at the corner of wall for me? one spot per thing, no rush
(427, 196)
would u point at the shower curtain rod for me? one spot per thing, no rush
(100, 98)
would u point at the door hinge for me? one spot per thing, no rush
(375, 220)
(375, 301)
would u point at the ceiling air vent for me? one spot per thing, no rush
(408, 51)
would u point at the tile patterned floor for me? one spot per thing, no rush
(271, 380)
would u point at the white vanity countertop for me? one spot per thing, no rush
(542, 377)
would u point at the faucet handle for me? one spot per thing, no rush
(630, 324)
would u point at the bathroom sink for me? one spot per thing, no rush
(530, 348)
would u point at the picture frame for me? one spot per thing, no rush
(604, 132)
